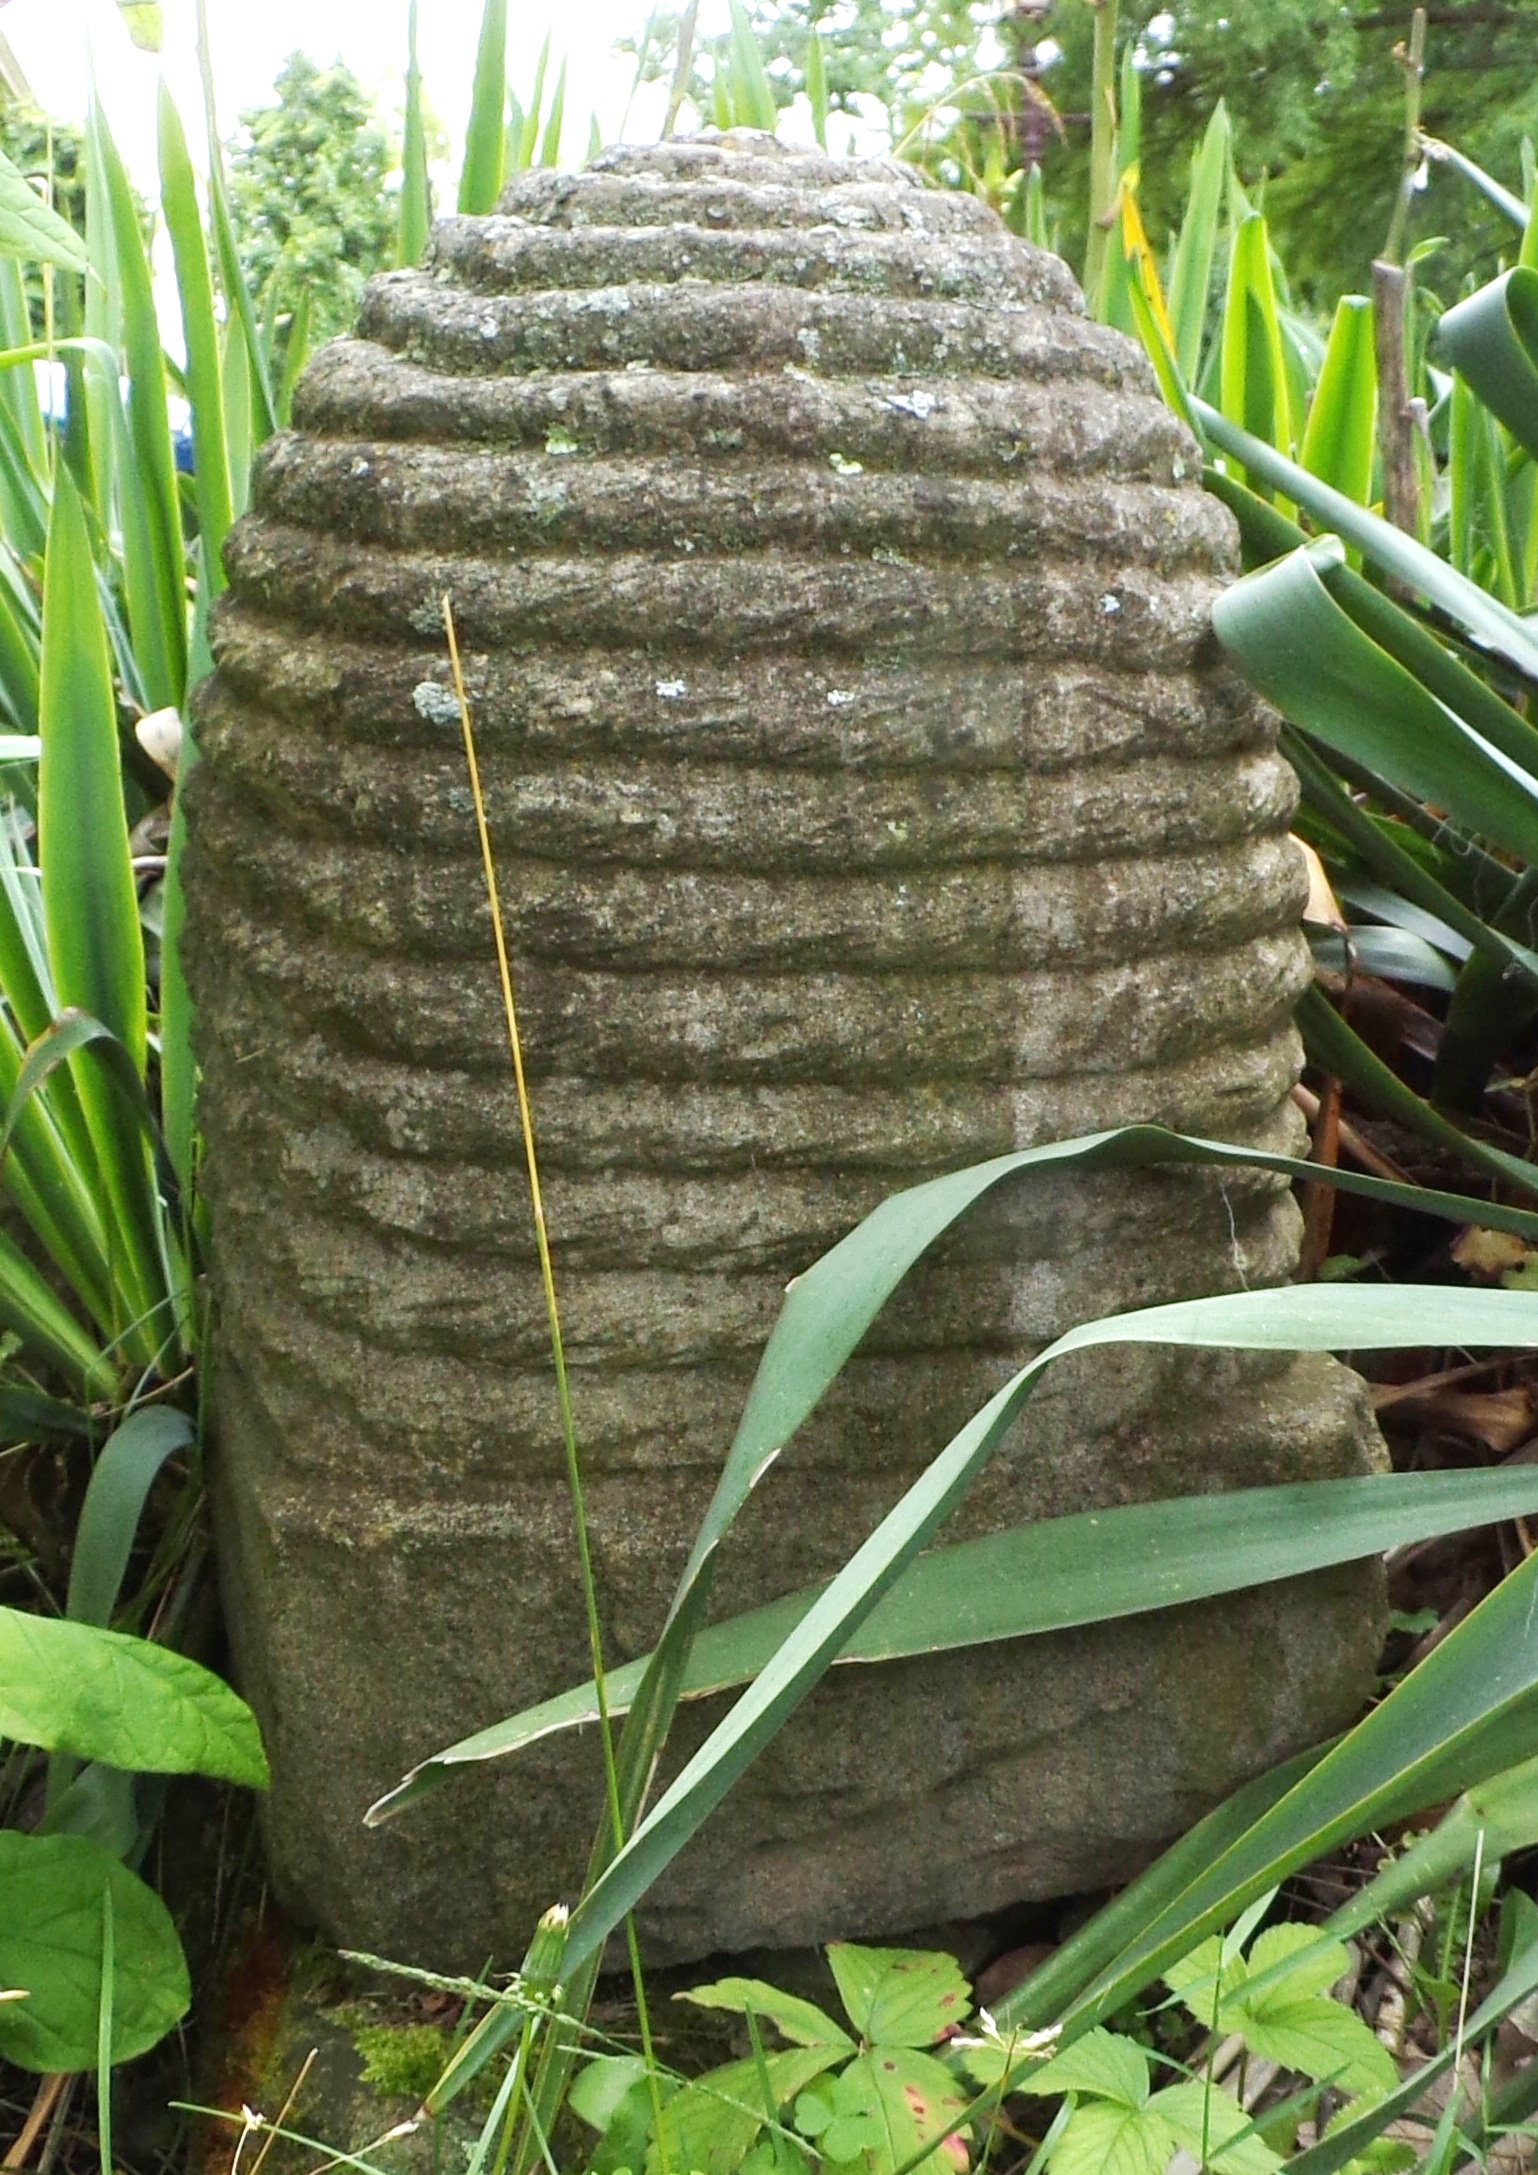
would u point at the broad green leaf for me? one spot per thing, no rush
(1214, 2129)
(802, 2022)
(1101, 2063)
(1054, 1576)
(51, 1909)
(898, 1997)
(1309, 657)
(1492, 338)
(76, 1688)
(601, 2084)
(1338, 441)
(31, 229)
(480, 180)
(710, 2125)
(917, 2102)
(1486, 620)
(1101, 2139)
(1289, 2019)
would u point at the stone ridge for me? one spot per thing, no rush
(869, 798)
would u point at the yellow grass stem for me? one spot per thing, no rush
(557, 1346)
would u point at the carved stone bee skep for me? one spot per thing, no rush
(869, 798)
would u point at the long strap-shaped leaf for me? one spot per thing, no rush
(90, 909)
(1489, 623)
(1492, 337)
(1304, 653)
(1304, 1317)
(200, 330)
(1052, 1576)
(1467, 1713)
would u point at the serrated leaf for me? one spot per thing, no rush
(30, 229)
(710, 2126)
(899, 1997)
(1203, 2121)
(917, 2101)
(1104, 2140)
(51, 1948)
(1110, 2067)
(802, 2022)
(1194, 1979)
(1320, 1965)
(1320, 2039)
(102, 1696)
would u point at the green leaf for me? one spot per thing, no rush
(1492, 338)
(51, 1913)
(1488, 622)
(1253, 375)
(898, 1997)
(753, 103)
(101, 1696)
(1214, 2129)
(30, 229)
(416, 206)
(802, 2022)
(1309, 657)
(1101, 2063)
(1101, 2139)
(601, 2084)
(480, 179)
(200, 331)
(1054, 1576)
(114, 1501)
(154, 564)
(917, 2102)
(1291, 2021)
(142, 19)
(1338, 442)
(710, 2125)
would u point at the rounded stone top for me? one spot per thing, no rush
(732, 207)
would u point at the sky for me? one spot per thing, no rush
(54, 39)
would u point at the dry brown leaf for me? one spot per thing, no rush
(1487, 1256)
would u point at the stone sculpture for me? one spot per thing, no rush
(869, 798)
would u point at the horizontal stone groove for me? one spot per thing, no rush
(754, 159)
(990, 916)
(954, 426)
(893, 1130)
(837, 1028)
(722, 1222)
(509, 256)
(480, 1297)
(873, 204)
(424, 498)
(1097, 612)
(367, 707)
(762, 822)
(741, 329)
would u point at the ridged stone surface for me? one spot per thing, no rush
(869, 798)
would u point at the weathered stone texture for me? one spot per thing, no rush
(869, 798)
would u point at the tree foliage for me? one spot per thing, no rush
(307, 181)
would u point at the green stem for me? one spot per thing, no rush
(1102, 145)
(1414, 62)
